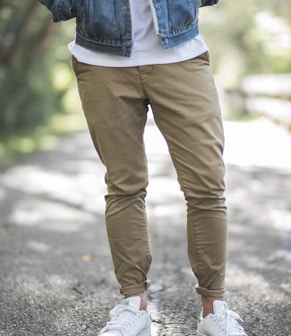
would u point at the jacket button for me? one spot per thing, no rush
(123, 7)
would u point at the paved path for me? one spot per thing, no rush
(55, 268)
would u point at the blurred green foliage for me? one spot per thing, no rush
(248, 37)
(37, 86)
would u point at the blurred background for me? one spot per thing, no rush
(52, 232)
(250, 55)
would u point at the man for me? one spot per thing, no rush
(129, 54)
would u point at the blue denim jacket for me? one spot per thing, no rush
(106, 25)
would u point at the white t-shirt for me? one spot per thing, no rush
(146, 49)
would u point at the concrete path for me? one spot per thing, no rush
(56, 273)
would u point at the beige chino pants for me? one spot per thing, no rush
(185, 105)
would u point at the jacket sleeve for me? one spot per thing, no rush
(61, 10)
(208, 2)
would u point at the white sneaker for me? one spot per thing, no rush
(128, 320)
(222, 323)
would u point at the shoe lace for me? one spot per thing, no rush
(229, 325)
(121, 317)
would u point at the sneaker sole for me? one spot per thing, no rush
(200, 334)
(146, 332)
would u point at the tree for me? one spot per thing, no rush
(28, 97)
(34, 68)
(247, 37)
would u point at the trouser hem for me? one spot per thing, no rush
(210, 292)
(135, 289)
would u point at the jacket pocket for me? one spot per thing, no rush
(100, 20)
(176, 16)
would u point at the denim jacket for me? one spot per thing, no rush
(106, 25)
